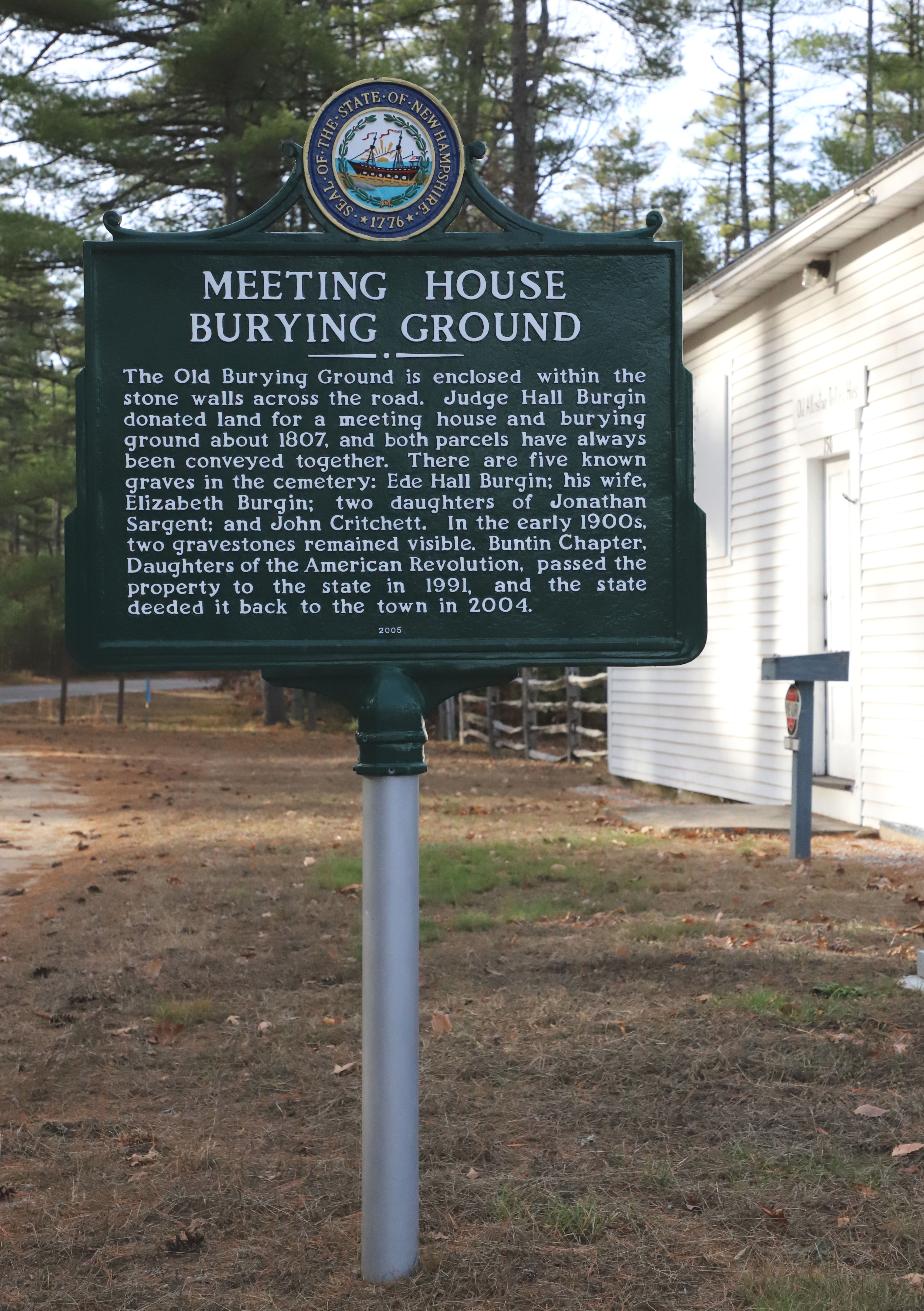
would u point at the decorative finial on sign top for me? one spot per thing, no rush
(653, 220)
(112, 221)
(383, 160)
(477, 150)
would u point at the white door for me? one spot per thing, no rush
(839, 518)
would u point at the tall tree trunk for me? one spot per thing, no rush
(915, 52)
(526, 69)
(868, 132)
(736, 8)
(275, 705)
(478, 13)
(229, 177)
(771, 115)
(729, 190)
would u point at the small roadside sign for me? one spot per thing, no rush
(793, 709)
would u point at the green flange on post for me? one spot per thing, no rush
(391, 733)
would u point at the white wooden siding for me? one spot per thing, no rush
(713, 726)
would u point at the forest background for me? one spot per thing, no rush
(173, 111)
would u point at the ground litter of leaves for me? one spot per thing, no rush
(656, 1072)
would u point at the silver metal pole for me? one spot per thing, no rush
(390, 1183)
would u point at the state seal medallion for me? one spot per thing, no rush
(383, 160)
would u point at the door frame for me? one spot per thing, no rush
(844, 441)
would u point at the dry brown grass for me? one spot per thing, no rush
(644, 1102)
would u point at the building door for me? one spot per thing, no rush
(839, 518)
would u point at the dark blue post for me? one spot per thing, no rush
(800, 819)
(825, 667)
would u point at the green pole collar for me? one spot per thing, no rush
(391, 733)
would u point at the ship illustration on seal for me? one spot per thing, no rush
(384, 160)
(384, 167)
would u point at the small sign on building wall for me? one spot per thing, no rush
(831, 402)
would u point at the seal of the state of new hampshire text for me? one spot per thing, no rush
(383, 159)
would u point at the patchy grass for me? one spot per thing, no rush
(831, 1291)
(458, 874)
(578, 1220)
(669, 930)
(430, 932)
(818, 1165)
(839, 991)
(473, 921)
(826, 1003)
(529, 910)
(195, 1010)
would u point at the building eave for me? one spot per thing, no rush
(871, 201)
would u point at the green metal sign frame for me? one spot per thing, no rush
(339, 661)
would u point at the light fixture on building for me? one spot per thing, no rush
(816, 272)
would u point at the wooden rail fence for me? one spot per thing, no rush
(546, 718)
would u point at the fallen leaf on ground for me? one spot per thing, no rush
(440, 1022)
(913, 1281)
(868, 1111)
(905, 1149)
(843, 1221)
(186, 1240)
(350, 889)
(774, 1213)
(345, 1069)
(264, 1026)
(165, 1032)
(704, 996)
(308, 860)
(150, 969)
(123, 1033)
(143, 1158)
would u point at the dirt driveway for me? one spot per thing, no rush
(676, 1073)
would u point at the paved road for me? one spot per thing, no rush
(97, 687)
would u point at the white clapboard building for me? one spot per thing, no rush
(807, 355)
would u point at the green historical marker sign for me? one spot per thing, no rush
(386, 460)
(361, 444)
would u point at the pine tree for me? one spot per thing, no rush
(728, 206)
(39, 355)
(614, 189)
(682, 224)
(881, 61)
